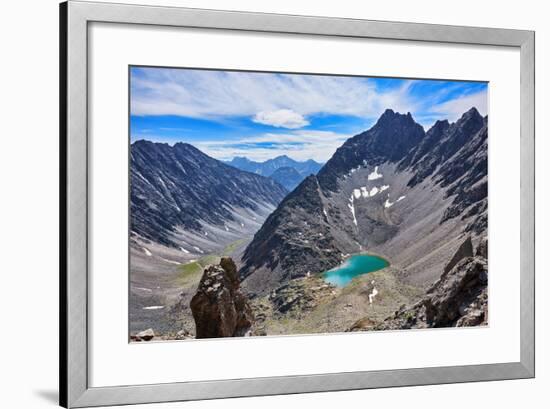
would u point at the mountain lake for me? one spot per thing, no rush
(354, 266)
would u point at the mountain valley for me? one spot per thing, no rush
(411, 196)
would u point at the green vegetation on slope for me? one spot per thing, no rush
(190, 273)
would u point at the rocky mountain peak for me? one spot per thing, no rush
(391, 118)
(471, 121)
(440, 125)
(442, 142)
(471, 113)
(142, 142)
(240, 161)
(184, 145)
(389, 140)
(388, 113)
(393, 135)
(434, 136)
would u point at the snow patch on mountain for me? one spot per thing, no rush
(374, 174)
(170, 261)
(388, 203)
(352, 209)
(372, 295)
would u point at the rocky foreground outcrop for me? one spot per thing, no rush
(457, 299)
(219, 308)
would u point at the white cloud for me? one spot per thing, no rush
(282, 118)
(454, 108)
(218, 94)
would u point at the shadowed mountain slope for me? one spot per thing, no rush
(180, 188)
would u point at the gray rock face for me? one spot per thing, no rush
(442, 142)
(466, 249)
(458, 298)
(483, 249)
(219, 308)
(180, 187)
(293, 240)
(455, 297)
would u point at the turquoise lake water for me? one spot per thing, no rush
(354, 266)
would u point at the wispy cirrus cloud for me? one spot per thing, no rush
(218, 94)
(454, 108)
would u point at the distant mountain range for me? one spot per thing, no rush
(283, 169)
(288, 177)
(178, 191)
(394, 189)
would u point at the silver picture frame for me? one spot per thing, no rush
(75, 16)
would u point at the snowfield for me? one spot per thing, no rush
(374, 174)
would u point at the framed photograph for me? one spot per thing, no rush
(258, 204)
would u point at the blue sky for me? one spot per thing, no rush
(263, 115)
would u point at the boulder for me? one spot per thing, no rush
(466, 249)
(183, 334)
(451, 299)
(146, 335)
(476, 313)
(219, 308)
(363, 324)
